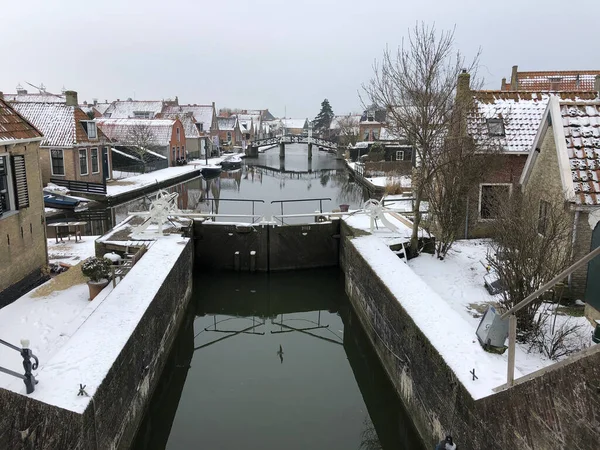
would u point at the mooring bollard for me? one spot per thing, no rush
(252, 261)
(236, 261)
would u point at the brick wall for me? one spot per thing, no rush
(23, 234)
(72, 166)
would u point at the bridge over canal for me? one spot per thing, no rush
(309, 140)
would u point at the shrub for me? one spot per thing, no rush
(377, 152)
(96, 268)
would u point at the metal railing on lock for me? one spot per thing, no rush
(28, 365)
(255, 217)
(283, 202)
(511, 313)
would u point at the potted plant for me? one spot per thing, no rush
(98, 270)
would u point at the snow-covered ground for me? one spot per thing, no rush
(134, 183)
(458, 279)
(50, 314)
(404, 181)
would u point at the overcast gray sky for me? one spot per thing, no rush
(281, 55)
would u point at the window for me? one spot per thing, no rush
(14, 192)
(174, 154)
(495, 127)
(543, 217)
(178, 135)
(57, 162)
(489, 197)
(5, 190)
(183, 151)
(400, 155)
(200, 126)
(229, 136)
(90, 129)
(142, 115)
(375, 135)
(95, 164)
(366, 137)
(83, 163)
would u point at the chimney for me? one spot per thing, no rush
(71, 97)
(597, 85)
(463, 86)
(514, 82)
(503, 87)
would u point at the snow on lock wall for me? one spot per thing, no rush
(428, 355)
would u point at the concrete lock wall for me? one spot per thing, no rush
(277, 247)
(117, 408)
(555, 408)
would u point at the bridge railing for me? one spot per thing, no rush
(298, 200)
(28, 366)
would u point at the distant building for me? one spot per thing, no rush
(295, 126)
(553, 80)
(73, 149)
(165, 136)
(230, 134)
(205, 121)
(23, 251)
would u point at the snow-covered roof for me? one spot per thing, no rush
(227, 123)
(59, 123)
(521, 114)
(128, 109)
(202, 113)
(13, 126)
(119, 129)
(295, 123)
(187, 120)
(558, 80)
(27, 97)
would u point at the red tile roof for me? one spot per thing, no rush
(568, 80)
(13, 126)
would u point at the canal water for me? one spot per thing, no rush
(266, 178)
(269, 361)
(274, 361)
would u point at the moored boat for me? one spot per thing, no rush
(60, 201)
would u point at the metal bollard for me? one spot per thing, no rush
(253, 261)
(236, 261)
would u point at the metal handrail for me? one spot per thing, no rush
(320, 200)
(27, 354)
(233, 200)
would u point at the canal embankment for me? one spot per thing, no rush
(96, 386)
(445, 379)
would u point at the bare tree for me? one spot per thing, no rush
(531, 245)
(416, 85)
(347, 129)
(140, 139)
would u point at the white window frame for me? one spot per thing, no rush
(398, 152)
(62, 152)
(97, 159)
(510, 186)
(87, 168)
(92, 124)
(178, 135)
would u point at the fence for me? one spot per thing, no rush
(28, 366)
(124, 171)
(80, 186)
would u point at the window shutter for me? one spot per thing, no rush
(20, 181)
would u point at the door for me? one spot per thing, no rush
(105, 172)
(592, 291)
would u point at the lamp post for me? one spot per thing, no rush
(310, 130)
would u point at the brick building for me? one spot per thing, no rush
(230, 134)
(73, 147)
(565, 164)
(23, 251)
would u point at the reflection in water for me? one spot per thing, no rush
(279, 361)
(259, 178)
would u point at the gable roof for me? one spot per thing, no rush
(127, 109)
(187, 120)
(14, 127)
(59, 123)
(27, 97)
(227, 123)
(295, 123)
(203, 114)
(521, 113)
(557, 80)
(119, 129)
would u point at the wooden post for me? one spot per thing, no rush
(512, 340)
(281, 150)
(310, 150)
(112, 272)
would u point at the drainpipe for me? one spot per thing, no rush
(467, 220)
(574, 238)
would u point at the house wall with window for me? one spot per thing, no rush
(23, 251)
(177, 143)
(369, 131)
(75, 163)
